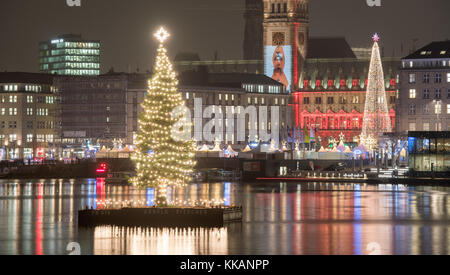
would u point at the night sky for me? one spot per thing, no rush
(125, 27)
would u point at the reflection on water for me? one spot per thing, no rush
(40, 217)
(154, 241)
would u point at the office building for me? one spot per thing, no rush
(69, 55)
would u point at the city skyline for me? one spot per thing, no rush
(126, 46)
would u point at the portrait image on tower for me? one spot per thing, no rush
(278, 61)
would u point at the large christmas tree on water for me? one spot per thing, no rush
(161, 159)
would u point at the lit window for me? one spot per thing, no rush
(412, 78)
(437, 108)
(412, 93)
(30, 138)
(426, 126)
(448, 108)
(412, 126)
(448, 77)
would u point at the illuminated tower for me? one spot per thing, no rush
(376, 115)
(253, 37)
(285, 40)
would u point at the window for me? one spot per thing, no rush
(29, 99)
(29, 111)
(40, 138)
(276, 101)
(448, 108)
(438, 108)
(438, 78)
(12, 99)
(412, 78)
(306, 100)
(13, 111)
(2, 111)
(330, 100)
(285, 7)
(355, 99)
(318, 100)
(412, 109)
(412, 126)
(412, 93)
(426, 78)
(426, 109)
(29, 124)
(437, 93)
(12, 124)
(426, 94)
(448, 77)
(49, 138)
(426, 126)
(30, 138)
(12, 138)
(255, 100)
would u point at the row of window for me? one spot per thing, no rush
(232, 97)
(426, 64)
(412, 126)
(29, 124)
(426, 78)
(278, 8)
(426, 109)
(426, 94)
(29, 138)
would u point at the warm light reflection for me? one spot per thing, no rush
(155, 241)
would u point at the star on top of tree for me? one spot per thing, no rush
(162, 35)
(376, 37)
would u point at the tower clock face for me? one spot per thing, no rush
(278, 38)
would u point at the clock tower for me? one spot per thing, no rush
(285, 40)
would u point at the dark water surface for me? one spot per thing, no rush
(40, 217)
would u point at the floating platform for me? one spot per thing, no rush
(161, 217)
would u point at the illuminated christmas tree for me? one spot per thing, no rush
(161, 159)
(376, 115)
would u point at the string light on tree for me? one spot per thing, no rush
(376, 115)
(162, 161)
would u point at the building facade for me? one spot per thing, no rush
(104, 110)
(69, 55)
(228, 91)
(332, 96)
(99, 110)
(29, 117)
(424, 93)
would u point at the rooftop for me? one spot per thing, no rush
(329, 47)
(28, 78)
(434, 50)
